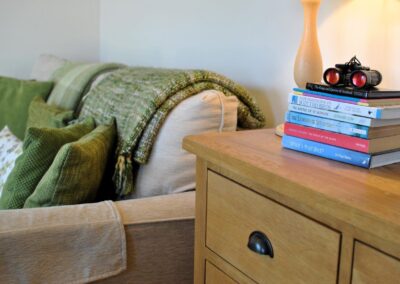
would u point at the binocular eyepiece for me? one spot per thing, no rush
(352, 74)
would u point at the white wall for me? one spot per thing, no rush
(67, 28)
(251, 41)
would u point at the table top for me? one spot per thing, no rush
(369, 199)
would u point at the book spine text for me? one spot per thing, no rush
(326, 151)
(331, 114)
(326, 137)
(324, 104)
(328, 124)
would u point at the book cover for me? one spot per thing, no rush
(327, 151)
(328, 124)
(371, 112)
(326, 137)
(373, 93)
(333, 115)
(349, 100)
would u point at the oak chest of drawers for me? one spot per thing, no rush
(270, 215)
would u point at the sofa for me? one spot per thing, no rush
(159, 223)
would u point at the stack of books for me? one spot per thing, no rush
(358, 127)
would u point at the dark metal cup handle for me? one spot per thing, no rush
(259, 243)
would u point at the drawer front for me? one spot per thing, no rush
(216, 276)
(373, 266)
(303, 250)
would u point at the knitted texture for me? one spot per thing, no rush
(39, 149)
(76, 172)
(141, 98)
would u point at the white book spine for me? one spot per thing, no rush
(371, 112)
(331, 114)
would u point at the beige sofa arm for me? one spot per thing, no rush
(160, 239)
(157, 209)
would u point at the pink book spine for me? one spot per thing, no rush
(327, 137)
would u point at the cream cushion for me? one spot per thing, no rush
(45, 66)
(171, 169)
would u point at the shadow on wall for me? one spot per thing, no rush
(265, 104)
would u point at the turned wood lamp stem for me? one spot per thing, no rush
(308, 64)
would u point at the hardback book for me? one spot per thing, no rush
(389, 112)
(372, 146)
(355, 119)
(341, 127)
(373, 93)
(348, 100)
(340, 154)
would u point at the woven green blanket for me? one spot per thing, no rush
(141, 98)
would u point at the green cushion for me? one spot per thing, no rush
(75, 174)
(15, 98)
(40, 147)
(42, 114)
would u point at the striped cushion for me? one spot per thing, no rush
(73, 80)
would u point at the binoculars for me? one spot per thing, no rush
(353, 74)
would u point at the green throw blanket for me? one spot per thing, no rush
(141, 98)
(73, 80)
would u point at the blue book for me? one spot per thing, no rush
(327, 151)
(328, 124)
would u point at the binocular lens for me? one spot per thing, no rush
(358, 79)
(332, 76)
(365, 78)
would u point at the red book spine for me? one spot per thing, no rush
(327, 137)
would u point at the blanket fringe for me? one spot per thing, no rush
(123, 176)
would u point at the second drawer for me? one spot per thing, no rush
(304, 250)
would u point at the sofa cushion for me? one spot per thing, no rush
(73, 80)
(43, 115)
(171, 169)
(39, 149)
(45, 66)
(76, 172)
(10, 149)
(15, 98)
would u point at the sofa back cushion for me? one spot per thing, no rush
(171, 169)
(15, 98)
(41, 114)
(45, 66)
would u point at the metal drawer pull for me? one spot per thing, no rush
(259, 243)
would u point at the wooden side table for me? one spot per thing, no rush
(270, 215)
